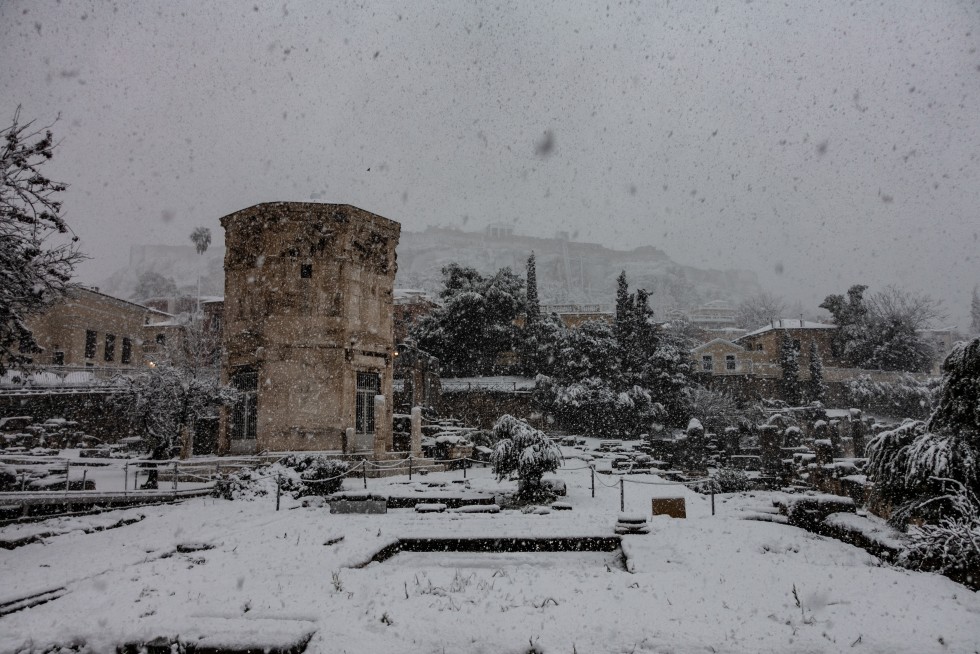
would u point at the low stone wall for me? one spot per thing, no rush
(482, 407)
(95, 411)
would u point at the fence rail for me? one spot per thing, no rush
(54, 377)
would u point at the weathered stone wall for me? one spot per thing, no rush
(308, 304)
(482, 407)
(96, 412)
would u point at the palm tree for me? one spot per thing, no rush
(201, 237)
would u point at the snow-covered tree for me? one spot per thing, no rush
(692, 446)
(959, 400)
(152, 284)
(38, 251)
(912, 465)
(181, 385)
(789, 363)
(652, 357)
(713, 409)
(904, 397)
(951, 544)
(975, 311)
(476, 322)
(538, 345)
(615, 381)
(816, 388)
(759, 309)
(624, 308)
(523, 450)
(881, 332)
(162, 402)
(537, 341)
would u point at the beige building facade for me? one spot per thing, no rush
(307, 328)
(89, 329)
(768, 340)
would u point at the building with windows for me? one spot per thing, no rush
(757, 352)
(715, 315)
(766, 341)
(411, 305)
(89, 329)
(307, 328)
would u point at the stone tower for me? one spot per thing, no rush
(308, 334)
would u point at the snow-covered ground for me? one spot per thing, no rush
(240, 571)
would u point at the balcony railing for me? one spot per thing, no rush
(565, 309)
(44, 377)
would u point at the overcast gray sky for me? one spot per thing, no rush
(820, 144)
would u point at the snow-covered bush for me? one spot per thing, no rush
(716, 410)
(8, 478)
(907, 397)
(691, 448)
(245, 484)
(905, 462)
(731, 480)
(524, 450)
(482, 438)
(931, 472)
(952, 544)
(593, 407)
(318, 475)
(298, 475)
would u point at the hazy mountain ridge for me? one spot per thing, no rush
(568, 271)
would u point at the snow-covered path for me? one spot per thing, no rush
(708, 583)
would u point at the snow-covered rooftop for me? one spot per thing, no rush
(789, 323)
(410, 295)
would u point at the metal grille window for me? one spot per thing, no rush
(110, 347)
(707, 364)
(245, 412)
(368, 385)
(91, 343)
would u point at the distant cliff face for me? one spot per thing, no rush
(182, 263)
(568, 272)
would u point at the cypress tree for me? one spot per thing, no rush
(975, 312)
(790, 363)
(817, 389)
(624, 310)
(533, 304)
